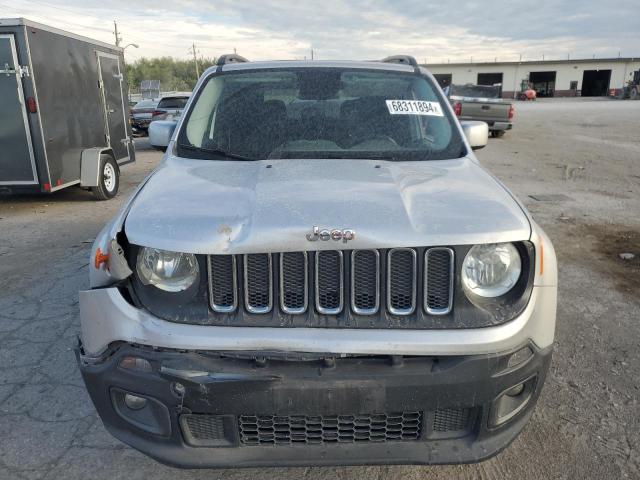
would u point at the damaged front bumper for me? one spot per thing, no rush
(241, 409)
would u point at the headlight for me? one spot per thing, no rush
(492, 269)
(168, 271)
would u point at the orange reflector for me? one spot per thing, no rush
(100, 258)
(541, 257)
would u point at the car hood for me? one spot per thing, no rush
(211, 206)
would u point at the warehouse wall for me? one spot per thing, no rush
(514, 73)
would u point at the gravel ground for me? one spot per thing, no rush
(583, 153)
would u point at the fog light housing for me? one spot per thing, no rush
(512, 401)
(143, 412)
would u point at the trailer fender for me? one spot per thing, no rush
(90, 165)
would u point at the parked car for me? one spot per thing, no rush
(170, 107)
(141, 115)
(318, 272)
(482, 103)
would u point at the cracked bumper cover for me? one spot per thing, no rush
(226, 386)
(440, 370)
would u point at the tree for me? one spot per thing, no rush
(174, 74)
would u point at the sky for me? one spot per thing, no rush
(435, 32)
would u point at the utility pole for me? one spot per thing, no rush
(115, 31)
(312, 54)
(195, 59)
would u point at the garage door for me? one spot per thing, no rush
(17, 164)
(595, 83)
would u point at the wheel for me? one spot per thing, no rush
(497, 133)
(109, 179)
(162, 149)
(635, 93)
(523, 97)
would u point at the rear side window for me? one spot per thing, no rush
(173, 102)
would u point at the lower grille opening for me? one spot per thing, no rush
(303, 429)
(202, 430)
(452, 422)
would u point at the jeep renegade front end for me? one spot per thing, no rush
(319, 272)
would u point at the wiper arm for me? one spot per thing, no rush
(215, 151)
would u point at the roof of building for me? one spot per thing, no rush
(538, 62)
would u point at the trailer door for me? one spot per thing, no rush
(17, 163)
(113, 101)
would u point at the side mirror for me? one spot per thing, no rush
(477, 134)
(160, 133)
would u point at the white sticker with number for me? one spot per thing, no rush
(414, 107)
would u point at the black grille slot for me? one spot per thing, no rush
(294, 283)
(202, 430)
(329, 282)
(401, 281)
(451, 420)
(222, 283)
(299, 429)
(258, 286)
(204, 427)
(365, 281)
(438, 281)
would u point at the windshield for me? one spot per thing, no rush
(475, 91)
(319, 113)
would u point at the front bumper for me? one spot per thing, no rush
(452, 401)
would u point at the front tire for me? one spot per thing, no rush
(635, 93)
(109, 180)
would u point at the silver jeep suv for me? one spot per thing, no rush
(319, 272)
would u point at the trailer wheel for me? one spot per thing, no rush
(109, 180)
(635, 93)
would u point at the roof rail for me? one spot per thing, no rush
(230, 58)
(403, 59)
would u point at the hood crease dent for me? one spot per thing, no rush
(233, 207)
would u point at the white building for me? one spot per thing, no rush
(560, 78)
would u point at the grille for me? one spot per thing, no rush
(258, 282)
(294, 282)
(438, 282)
(329, 282)
(286, 430)
(365, 281)
(374, 278)
(401, 281)
(222, 283)
(203, 428)
(451, 420)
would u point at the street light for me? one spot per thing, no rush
(134, 45)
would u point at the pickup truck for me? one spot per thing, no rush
(482, 103)
(319, 272)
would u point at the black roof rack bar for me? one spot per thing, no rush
(230, 58)
(403, 59)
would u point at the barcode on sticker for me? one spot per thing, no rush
(414, 107)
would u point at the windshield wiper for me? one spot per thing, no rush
(215, 151)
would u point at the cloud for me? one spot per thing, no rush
(359, 29)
